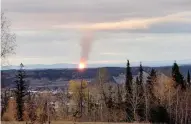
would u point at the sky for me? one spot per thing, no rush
(50, 31)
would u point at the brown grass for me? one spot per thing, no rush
(66, 122)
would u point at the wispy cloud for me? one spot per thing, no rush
(144, 30)
(134, 23)
(111, 53)
(106, 62)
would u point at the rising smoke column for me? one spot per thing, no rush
(86, 44)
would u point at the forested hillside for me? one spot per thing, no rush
(68, 74)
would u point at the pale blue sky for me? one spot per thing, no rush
(49, 31)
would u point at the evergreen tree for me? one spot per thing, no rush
(141, 111)
(140, 82)
(20, 92)
(151, 79)
(177, 76)
(128, 78)
(152, 100)
(140, 74)
(188, 78)
(128, 85)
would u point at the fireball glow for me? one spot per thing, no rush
(81, 65)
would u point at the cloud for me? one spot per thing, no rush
(132, 24)
(152, 47)
(111, 53)
(42, 14)
(50, 32)
(39, 60)
(106, 61)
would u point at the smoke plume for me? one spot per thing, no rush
(86, 44)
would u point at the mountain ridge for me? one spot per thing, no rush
(70, 66)
(8, 76)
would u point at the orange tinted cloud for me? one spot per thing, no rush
(134, 23)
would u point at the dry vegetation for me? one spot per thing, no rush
(162, 99)
(69, 122)
(104, 101)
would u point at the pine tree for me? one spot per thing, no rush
(140, 74)
(20, 92)
(177, 76)
(128, 85)
(188, 78)
(152, 100)
(140, 82)
(151, 79)
(128, 78)
(141, 111)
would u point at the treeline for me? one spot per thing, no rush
(7, 76)
(155, 98)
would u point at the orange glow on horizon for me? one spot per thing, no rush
(81, 65)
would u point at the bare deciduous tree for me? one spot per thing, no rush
(31, 108)
(136, 100)
(8, 38)
(5, 95)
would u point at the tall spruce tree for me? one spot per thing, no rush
(128, 78)
(151, 79)
(188, 78)
(177, 76)
(20, 92)
(140, 82)
(128, 85)
(140, 74)
(141, 111)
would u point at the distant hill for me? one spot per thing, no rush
(89, 73)
(167, 69)
(70, 66)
